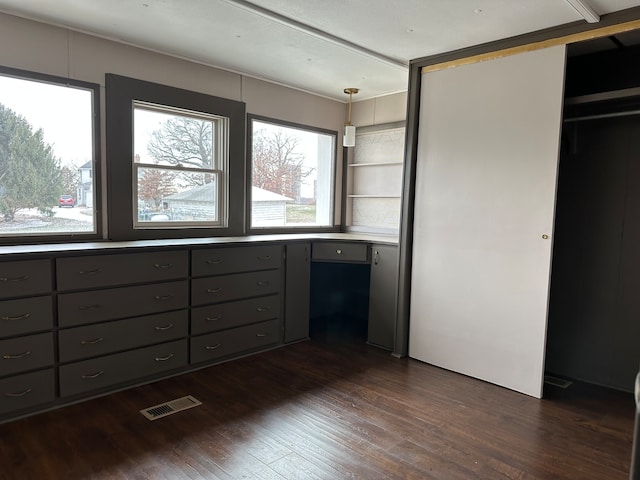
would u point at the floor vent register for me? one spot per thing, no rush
(169, 408)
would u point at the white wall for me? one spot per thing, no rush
(376, 111)
(51, 50)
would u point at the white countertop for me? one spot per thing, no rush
(193, 242)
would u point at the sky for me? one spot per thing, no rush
(64, 114)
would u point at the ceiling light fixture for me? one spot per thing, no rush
(585, 10)
(349, 139)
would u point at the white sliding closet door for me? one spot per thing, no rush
(485, 195)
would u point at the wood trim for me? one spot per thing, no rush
(562, 40)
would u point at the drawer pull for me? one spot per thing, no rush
(91, 342)
(213, 319)
(214, 290)
(261, 335)
(14, 279)
(19, 355)
(92, 375)
(264, 257)
(18, 394)
(164, 297)
(213, 347)
(338, 251)
(89, 307)
(17, 317)
(164, 359)
(214, 262)
(166, 327)
(262, 309)
(89, 272)
(262, 283)
(163, 265)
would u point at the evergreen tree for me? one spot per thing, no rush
(30, 174)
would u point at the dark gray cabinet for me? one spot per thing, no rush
(76, 325)
(81, 273)
(237, 303)
(27, 378)
(25, 315)
(297, 292)
(111, 370)
(108, 337)
(108, 320)
(357, 252)
(25, 278)
(236, 340)
(114, 303)
(382, 295)
(28, 390)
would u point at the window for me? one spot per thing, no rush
(179, 163)
(48, 154)
(292, 175)
(175, 161)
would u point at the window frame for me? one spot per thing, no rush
(334, 227)
(218, 169)
(122, 93)
(94, 89)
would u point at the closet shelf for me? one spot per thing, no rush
(373, 196)
(373, 164)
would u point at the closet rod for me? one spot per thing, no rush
(602, 115)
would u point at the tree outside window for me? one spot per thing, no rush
(46, 132)
(291, 175)
(179, 157)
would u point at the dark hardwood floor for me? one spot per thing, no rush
(328, 410)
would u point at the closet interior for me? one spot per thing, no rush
(594, 308)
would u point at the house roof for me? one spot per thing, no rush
(205, 194)
(202, 193)
(262, 195)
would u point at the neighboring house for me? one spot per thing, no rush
(85, 185)
(197, 203)
(268, 208)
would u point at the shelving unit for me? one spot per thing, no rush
(374, 179)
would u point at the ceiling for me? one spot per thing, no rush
(319, 46)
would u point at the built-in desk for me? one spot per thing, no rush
(80, 320)
(354, 290)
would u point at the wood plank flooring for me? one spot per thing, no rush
(328, 410)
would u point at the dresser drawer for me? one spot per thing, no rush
(110, 370)
(234, 314)
(231, 287)
(340, 252)
(25, 315)
(25, 278)
(111, 270)
(96, 306)
(26, 353)
(27, 390)
(229, 342)
(104, 338)
(217, 261)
